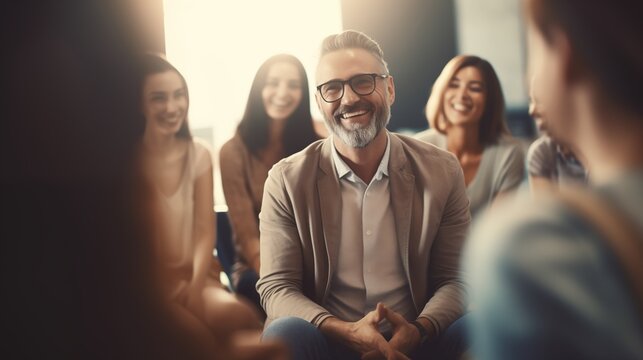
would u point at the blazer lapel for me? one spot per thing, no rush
(401, 182)
(330, 205)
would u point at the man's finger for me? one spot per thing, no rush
(397, 355)
(377, 315)
(381, 311)
(395, 318)
(383, 346)
(372, 355)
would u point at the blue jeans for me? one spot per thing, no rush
(305, 341)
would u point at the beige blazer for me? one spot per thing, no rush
(300, 229)
(242, 177)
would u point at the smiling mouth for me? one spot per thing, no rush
(171, 120)
(281, 105)
(352, 114)
(460, 107)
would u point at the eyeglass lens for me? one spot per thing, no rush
(363, 84)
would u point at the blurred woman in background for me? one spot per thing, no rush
(560, 276)
(466, 114)
(276, 123)
(180, 169)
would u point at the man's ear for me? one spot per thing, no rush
(390, 86)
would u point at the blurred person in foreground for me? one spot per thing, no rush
(361, 232)
(546, 281)
(276, 123)
(466, 114)
(80, 271)
(550, 164)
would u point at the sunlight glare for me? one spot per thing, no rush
(219, 45)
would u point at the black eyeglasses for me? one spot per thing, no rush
(362, 84)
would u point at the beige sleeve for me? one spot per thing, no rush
(280, 283)
(241, 213)
(448, 301)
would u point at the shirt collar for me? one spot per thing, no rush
(343, 170)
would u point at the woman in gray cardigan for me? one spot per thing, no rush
(466, 113)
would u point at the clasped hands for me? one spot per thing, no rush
(364, 335)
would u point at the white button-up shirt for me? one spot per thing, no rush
(369, 265)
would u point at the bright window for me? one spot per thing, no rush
(219, 45)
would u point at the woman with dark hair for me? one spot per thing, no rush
(466, 113)
(276, 124)
(560, 276)
(181, 171)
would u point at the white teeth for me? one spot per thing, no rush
(460, 107)
(353, 114)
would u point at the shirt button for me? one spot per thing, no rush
(368, 232)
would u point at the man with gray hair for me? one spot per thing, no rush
(361, 232)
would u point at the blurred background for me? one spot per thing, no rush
(218, 46)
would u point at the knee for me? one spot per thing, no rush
(290, 328)
(458, 330)
(302, 338)
(224, 312)
(454, 341)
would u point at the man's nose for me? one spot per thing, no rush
(350, 97)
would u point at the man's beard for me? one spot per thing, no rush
(357, 135)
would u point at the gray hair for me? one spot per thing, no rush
(353, 39)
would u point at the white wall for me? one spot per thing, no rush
(219, 45)
(494, 30)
